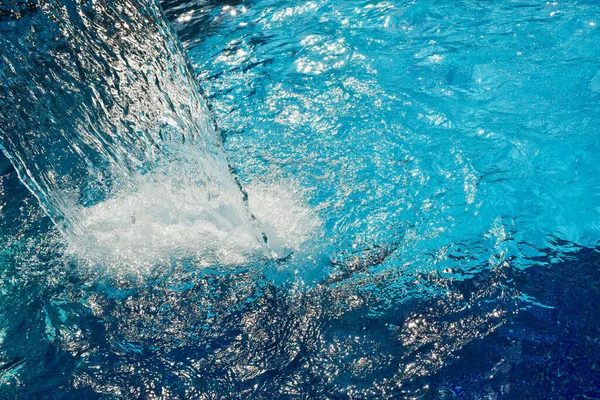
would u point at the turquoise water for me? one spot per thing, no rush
(424, 176)
(465, 125)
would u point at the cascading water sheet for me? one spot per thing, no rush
(110, 131)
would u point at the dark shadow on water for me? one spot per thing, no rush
(550, 348)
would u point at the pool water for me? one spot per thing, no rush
(428, 177)
(410, 123)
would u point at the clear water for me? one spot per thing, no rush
(415, 125)
(426, 173)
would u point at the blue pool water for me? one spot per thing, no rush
(418, 215)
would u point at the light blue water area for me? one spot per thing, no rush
(464, 129)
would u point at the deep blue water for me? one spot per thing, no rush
(427, 174)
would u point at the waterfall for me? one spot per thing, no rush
(106, 125)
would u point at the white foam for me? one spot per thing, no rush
(284, 215)
(162, 221)
(159, 222)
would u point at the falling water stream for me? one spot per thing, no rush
(112, 135)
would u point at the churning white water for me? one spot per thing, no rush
(163, 221)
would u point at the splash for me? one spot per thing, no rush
(167, 220)
(112, 135)
(284, 214)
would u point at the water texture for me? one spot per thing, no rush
(454, 123)
(426, 175)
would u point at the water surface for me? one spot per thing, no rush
(428, 174)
